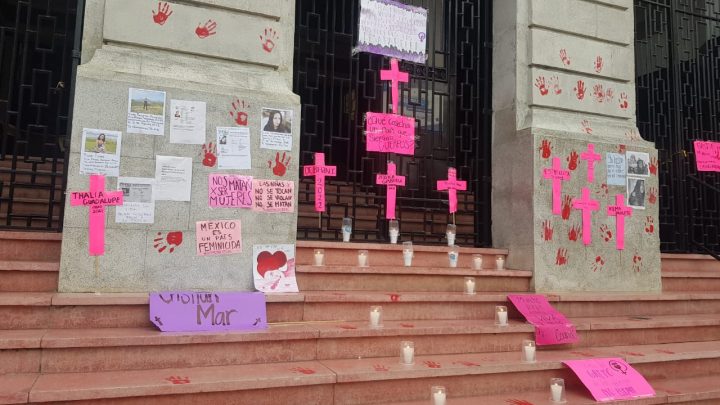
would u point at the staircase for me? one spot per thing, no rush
(101, 348)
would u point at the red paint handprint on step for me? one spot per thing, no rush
(407, 325)
(598, 264)
(431, 364)
(599, 93)
(238, 112)
(561, 258)
(281, 164)
(554, 84)
(209, 153)
(653, 166)
(574, 233)
(545, 149)
(347, 327)
(599, 64)
(580, 90)
(518, 402)
(540, 84)
(268, 39)
(624, 104)
(547, 233)
(649, 225)
(572, 161)
(566, 207)
(637, 262)
(394, 297)
(652, 195)
(466, 363)
(162, 14)
(172, 240)
(564, 57)
(606, 232)
(206, 30)
(585, 127)
(302, 370)
(177, 380)
(380, 367)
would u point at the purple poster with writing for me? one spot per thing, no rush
(611, 379)
(185, 311)
(551, 327)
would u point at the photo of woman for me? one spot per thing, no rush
(637, 163)
(636, 193)
(275, 121)
(100, 144)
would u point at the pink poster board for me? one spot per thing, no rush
(274, 196)
(219, 237)
(707, 156)
(185, 311)
(230, 191)
(96, 200)
(611, 379)
(390, 133)
(551, 327)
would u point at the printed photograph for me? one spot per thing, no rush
(100, 142)
(636, 192)
(638, 163)
(147, 102)
(136, 192)
(279, 121)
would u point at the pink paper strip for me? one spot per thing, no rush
(452, 185)
(551, 326)
(619, 211)
(611, 379)
(707, 156)
(319, 170)
(390, 133)
(587, 206)
(557, 175)
(591, 158)
(391, 180)
(395, 76)
(96, 199)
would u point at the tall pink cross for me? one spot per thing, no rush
(97, 198)
(619, 211)
(591, 158)
(396, 77)
(391, 180)
(587, 206)
(452, 184)
(319, 170)
(557, 175)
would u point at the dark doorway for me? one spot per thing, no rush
(449, 97)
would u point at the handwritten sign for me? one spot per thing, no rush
(452, 184)
(551, 327)
(391, 180)
(616, 170)
(96, 199)
(274, 195)
(220, 237)
(611, 379)
(707, 156)
(392, 29)
(390, 133)
(319, 170)
(208, 311)
(619, 211)
(557, 175)
(230, 191)
(591, 157)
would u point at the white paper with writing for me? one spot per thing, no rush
(173, 178)
(187, 122)
(233, 146)
(138, 201)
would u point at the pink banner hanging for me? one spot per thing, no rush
(557, 175)
(391, 180)
(587, 206)
(452, 184)
(319, 170)
(96, 199)
(611, 379)
(619, 211)
(390, 133)
(395, 76)
(591, 157)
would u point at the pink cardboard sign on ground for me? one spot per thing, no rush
(707, 156)
(230, 191)
(551, 327)
(391, 180)
(182, 311)
(96, 199)
(611, 379)
(219, 237)
(390, 133)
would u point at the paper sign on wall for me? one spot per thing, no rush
(138, 201)
(707, 156)
(230, 191)
(173, 178)
(100, 152)
(233, 147)
(276, 129)
(274, 195)
(187, 122)
(615, 169)
(185, 311)
(551, 327)
(274, 268)
(393, 29)
(611, 379)
(390, 133)
(146, 112)
(221, 237)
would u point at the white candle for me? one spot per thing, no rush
(500, 263)
(450, 238)
(453, 256)
(394, 235)
(469, 286)
(477, 263)
(502, 317)
(408, 352)
(529, 351)
(556, 390)
(439, 398)
(407, 257)
(374, 318)
(319, 256)
(362, 259)
(346, 235)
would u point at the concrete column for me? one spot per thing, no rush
(545, 53)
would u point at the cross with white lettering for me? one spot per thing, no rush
(319, 170)
(452, 185)
(391, 180)
(557, 175)
(395, 76)
(591, 158)
(97, 198)
(620, 211)
(587, 206)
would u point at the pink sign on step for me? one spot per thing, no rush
(184, 311)
(230, 191)
(452, 184)
(611, 379)
(391, 180)
(557, 175)
(551, 327)
(707, 156)
(619, 211)
(591, 158)
(587, 206)
(96, 199)
(390, 133)
(319, 170)
(395, 76)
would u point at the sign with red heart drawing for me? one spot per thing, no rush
(274, 268)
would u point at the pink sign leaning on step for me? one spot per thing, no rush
(611, 379)
(551, 327)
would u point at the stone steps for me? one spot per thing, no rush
(30, 246)
(28, 276)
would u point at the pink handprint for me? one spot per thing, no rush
(580, 90)
(599, 93)
(268, 39)
(624, 104)
(599, 63)
(564, 57)
(554, 83)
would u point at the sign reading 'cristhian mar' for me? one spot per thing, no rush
(393, 29)
(183, 311)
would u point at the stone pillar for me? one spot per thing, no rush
(124, 46)
(563, 71)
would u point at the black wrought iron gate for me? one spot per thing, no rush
(36, 43)
(678, 91)
(449, 97)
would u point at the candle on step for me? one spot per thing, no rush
(453, 255)
(319, 257)
(375, 317)
(407, 353)
(450, 234)
(477, 262)
(500, 263)
(470, 285)
(529, 351)
(439, 395)
(501, 316)
(407, 254)
(363, 258)
(394, 230)
(557, 390)
(347, 229)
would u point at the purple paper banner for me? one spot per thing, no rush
(393, 29)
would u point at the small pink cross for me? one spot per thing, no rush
(319, 170)
(452, 184)
(619, 211)
(591, 158)
(395, 76)
(391, 180)
(97, 198)
(557, 175)
(587, 206)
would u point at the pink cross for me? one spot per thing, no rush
(319, 170)
(620, 211)
(395, 76)
(591, 158)
(452, 185)
(391, 180)
(97, 198)
(587, 206)
(557, 175)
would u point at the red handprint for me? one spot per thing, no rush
(606, 232)
(432, 364)
(599, 63)
(380, 367)
(540, 84)
(407, 325)
(178, 380)
(302, 370)
(268, 40)
(599, 93)
(609, 94)
(172, 240)
(653, 166)
(574, 233)
(554, 83)
(561, 258)
(281, 164)
(545, 149)
(598, 265)
(206, 30)
(624, 104)
(394, 297)
(209, 152)
(564, 58)
(585, 127)
(348, 327)
(518, 402)
(547, 230)
(649, 225)
(580, 90)
(162, 14)
(653, 195)
(637, 262)
(622, 149)
(566, 207)
(572, 160)
(238, 112)
(466, 363)
(603, 190)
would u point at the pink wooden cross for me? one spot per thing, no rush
(587, 206)
(452, 184)
(391, 180)
(319, 170)
(97, 198)
(591, 158)
(557, 175)
(395, 76)
(620, 211)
